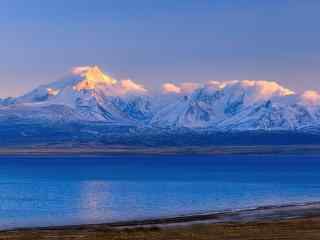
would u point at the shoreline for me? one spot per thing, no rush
(287, 222)
(240, 216)
(110, 150)
(261, 213)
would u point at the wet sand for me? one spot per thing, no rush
(300, 221)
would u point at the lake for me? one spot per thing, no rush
(43, 191)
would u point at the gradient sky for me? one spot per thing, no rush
(159, 41)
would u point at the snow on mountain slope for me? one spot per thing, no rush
(90, 95)
(270, 115)
(180, 113)
(215, 102)
(94, 95)
(48, 114)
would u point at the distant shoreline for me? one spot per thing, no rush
(140, 150)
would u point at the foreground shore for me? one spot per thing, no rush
(300, 221)
(298, 229)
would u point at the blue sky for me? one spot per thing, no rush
(159, 41)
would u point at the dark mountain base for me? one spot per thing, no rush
(73, 135)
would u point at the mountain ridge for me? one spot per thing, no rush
(89, 97)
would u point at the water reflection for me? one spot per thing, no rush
(96, 200)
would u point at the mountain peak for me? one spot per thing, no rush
(311, 97)
(92, 76)
(240, 105)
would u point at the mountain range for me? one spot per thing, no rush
(89, 106)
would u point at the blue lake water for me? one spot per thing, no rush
(41, 191)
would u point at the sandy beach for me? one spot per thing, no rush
(296, 221)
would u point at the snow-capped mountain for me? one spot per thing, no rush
(86, 95)
(89, 96)
(240, 105)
